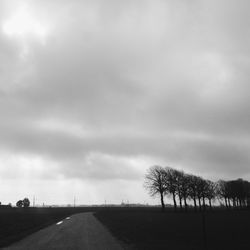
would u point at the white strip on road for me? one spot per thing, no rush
(60, 222)
(67, 218)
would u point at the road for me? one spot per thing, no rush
(79, 231)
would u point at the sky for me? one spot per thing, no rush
(93, 93)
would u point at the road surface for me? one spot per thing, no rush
(79, 231)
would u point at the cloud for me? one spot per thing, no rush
(116, 87)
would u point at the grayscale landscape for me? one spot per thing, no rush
(124, 124)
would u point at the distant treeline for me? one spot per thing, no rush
(184, 188)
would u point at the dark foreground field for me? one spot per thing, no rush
(141, 228)
(151, 229)
(16, 223)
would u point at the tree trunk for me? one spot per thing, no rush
(226, 202)
(199, 199)
(180, 202)
(243, 202)
(180, 198)
(204, 203)
(162, 202)
(175, 206)
(185, 202)
(210, 204)
(195, 206)
(240, 203)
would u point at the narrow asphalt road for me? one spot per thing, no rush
(80, 231)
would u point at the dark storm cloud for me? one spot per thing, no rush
(116, 81)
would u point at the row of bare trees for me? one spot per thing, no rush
(186, 189)
(236, 193)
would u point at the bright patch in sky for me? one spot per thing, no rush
(22, 23)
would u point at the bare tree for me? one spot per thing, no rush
(200, 191)
(203, 186)
(222, 191)
(179, 177)
(183, 186)
(210, 192)
(193, 182)
(170, 180)
(155, 184)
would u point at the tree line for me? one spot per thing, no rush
(192, 190)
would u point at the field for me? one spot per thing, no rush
(16, 223)
(151, 229)
(142, 228)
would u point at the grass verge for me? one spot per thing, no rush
(148, 228)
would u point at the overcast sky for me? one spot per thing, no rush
(92, 93)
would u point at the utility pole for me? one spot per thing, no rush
(74, 201)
